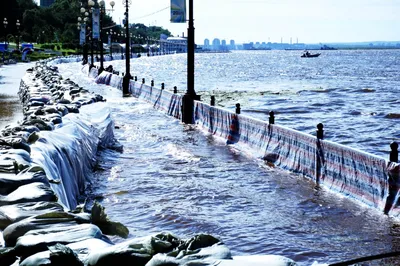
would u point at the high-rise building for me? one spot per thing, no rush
(232, 45)
(207, 43)
(216, 44)
(46, 3)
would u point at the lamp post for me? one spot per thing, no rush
(80, 27)
(83, 23)
(127, 77)
(102, 10)
(190, 95)
(17, 24)
(5, 22)
(109, 41)
(91, 5)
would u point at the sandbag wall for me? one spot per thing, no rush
(46, 162)
(367, 178)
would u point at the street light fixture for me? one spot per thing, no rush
(5, 22)
(190, 95)
(91, 4)
(83, 24)
(18, 24)
(127, 77)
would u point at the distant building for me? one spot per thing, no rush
(223, 45)
(216, 44)
(207, 44)
(46, 3)
(232, 45)
(177, 44)
(248, 46)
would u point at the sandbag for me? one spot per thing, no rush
(16, 212)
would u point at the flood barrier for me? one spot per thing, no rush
(46, 162)
(369, 179)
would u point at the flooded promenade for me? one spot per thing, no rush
(181, 179)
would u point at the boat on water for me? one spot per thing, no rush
(307, 54)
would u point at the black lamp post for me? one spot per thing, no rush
(102, 10)
(190, 95)
(127, 77)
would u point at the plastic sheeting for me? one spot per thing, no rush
(67, 153)
(56, 151)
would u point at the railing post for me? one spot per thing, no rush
(212, 103)
(320, 131)
(175, 89)
(394, 153)
(238, 108)
(271, 117)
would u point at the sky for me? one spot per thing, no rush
(303, 21)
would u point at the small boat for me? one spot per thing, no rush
(307, 54)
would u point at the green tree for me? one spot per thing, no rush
(58, 23)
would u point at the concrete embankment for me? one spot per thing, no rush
(46, 164)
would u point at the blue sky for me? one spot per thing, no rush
(309, 21)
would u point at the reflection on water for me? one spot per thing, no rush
(10, 106)
(11, 109)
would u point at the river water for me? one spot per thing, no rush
(353, 93)
(177, 178)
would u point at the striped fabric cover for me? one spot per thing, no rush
(116, 81)
(393, 202)
(104, 78)
(367, 178)
(93, 73)
(160, 99)
(217, 121)
(352, 173)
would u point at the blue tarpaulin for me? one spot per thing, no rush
(3, 47)
(26, 45)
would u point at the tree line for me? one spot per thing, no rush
(58, 24)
